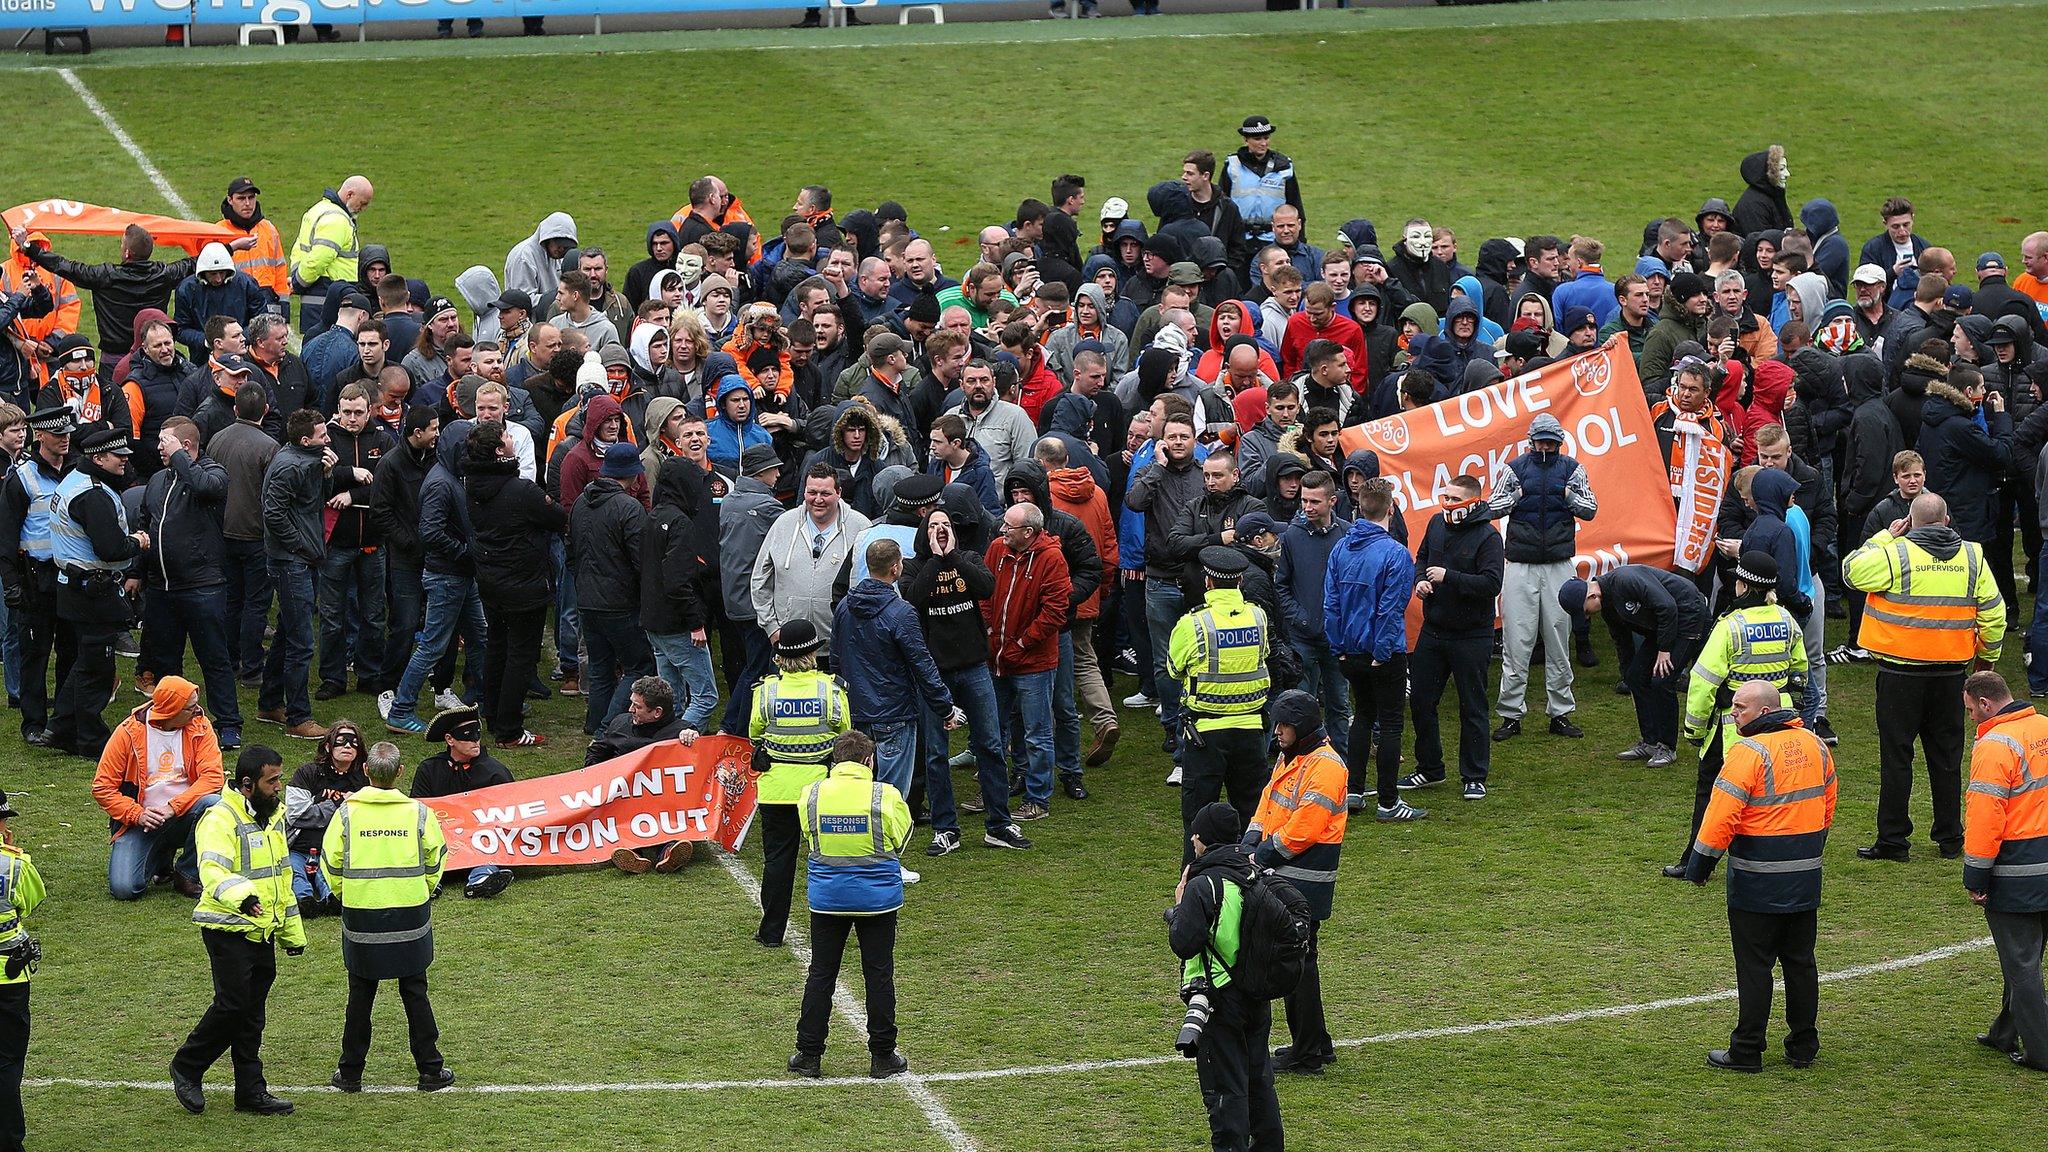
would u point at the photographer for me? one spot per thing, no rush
(1231, 1060)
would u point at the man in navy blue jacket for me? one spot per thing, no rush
(879, 650)
(1305, 547)
(1365, 605)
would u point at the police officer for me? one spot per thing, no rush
(1932, 607)
(856, 827)
(21, 889)
(2005, 862)
(1772, 806)
(798, 712)
(245, 910)
(1758, 640)
(382, 856)
(28, 566)
(1258, 180)
(93, 546)
(1218, 652)
(1298, 832)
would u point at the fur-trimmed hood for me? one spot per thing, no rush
(884, 432)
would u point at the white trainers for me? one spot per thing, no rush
(384, 701)
(910, 877)
(1173, 777)
(1139, 700)
(446, 699)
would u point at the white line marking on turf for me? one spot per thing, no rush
(753, 889)
(843, 999)
(127, 142)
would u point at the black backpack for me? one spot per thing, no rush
(1272, 937)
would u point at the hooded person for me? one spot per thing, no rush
(1174, 206)
(1469, 290)
(1061, 345)
(1359, 467)
(1499, 262)
(1713, 206)
(198, 299)
(1242, 321)
(641, 362)
(1810, 289)
(1830, 250)
(1073, 425)
(733, 425)
(585, 457)
(1756, 274)
(640, 277)
(1965, 459)
(1425, 277)
(534, 264)
(861, 445)
(661, 443)
(1762, 204)
(478, 287)
(1367, 307)
(1772, 491)
(1457, 347)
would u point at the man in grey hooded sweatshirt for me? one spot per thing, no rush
(534, 264)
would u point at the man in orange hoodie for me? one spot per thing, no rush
(160, 771)
(1075, 492)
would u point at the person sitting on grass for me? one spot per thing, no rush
(463, 766)
(650, 718)
(159, 773)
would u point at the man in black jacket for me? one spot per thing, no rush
(1458, 571)
(184, 573)
(605, 527)
(354, 563)
(673, 566)
(514, 523)
(93, 545)
(294, 547)
(1209, 522)
(462, 766)
(394, 503)
(1669, 612)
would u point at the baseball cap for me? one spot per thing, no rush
(1990, 260)
(1868, 274)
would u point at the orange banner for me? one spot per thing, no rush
(74, 218)
(661, 793)
(1597, 398)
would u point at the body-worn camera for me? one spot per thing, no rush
(1196, 994)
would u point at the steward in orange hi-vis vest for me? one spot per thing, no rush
(2005, 858)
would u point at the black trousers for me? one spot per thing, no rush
(1703, 789)
(1377, 693)
(1233, 758)
(13, 1060)
(1656, 699)
(511, 651)
(79, 722)
(420, 1028)
(877, 969)
(1930, 708)
(1463, 662)
(1236, 1074)
(781, 836)
(1306, 1028)
(42, 634)
(243, 971)
(1763, 941)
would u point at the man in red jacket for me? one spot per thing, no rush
(1024, 619)
(1319, 320)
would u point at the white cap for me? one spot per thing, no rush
(1868, 274)
(1115, 208)
(215, 258)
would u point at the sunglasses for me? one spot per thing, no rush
(350, 739)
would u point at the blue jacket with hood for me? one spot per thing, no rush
(1772, 490)
(729, 440)
(1830, 251)
(878, 643)
(444, 507)
(1366, 590)
(1474, 294)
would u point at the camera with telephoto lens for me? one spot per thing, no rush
(26, 953)
(1196, 993)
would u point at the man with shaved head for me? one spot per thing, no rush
(1932, 615)
(326, 248)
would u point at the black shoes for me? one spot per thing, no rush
(1563, 726)
(1286, 1063)
(1825, 731)
(1951, 851)
(805, 1066)
(329, 690)
(37, 738)
(188, 1092)
(264, 1105)
(341, 1083)
(437, 1081)
(1874, 852)
(1074, 789)
(1508, 730)
(1719, 1058)
(1674, 871)
(883, 1067)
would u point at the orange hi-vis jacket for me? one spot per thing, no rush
(1300, 824)
(1925, 608)
(65, 312)
(265, 263)
(1769, 814)
(2005, 838)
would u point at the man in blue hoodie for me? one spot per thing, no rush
(734, 427)
(1305, 548)
(1365, 606)
(1830, 251)
(878, 647)
(452, 602)
(1588, 287)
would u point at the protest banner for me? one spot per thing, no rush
(75, 218)
(661, 793)
(1598, 400)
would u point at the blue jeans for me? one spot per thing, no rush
(1026, 699)
(895, 752)
(248, 605)
(2037, 632)
(307, 882)
(291, 650)
(361, 628)
(686, 665)
(452, 606)
(170, 618)
(568, 626)
(975, 694)
(1322, 678)
(1066, 716)
(1163, 608)
(618, 652)
(140, 853)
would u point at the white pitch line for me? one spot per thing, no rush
(976, 1074)
(927, 1101)
(127, 142)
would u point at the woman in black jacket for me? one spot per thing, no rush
(514, 521)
